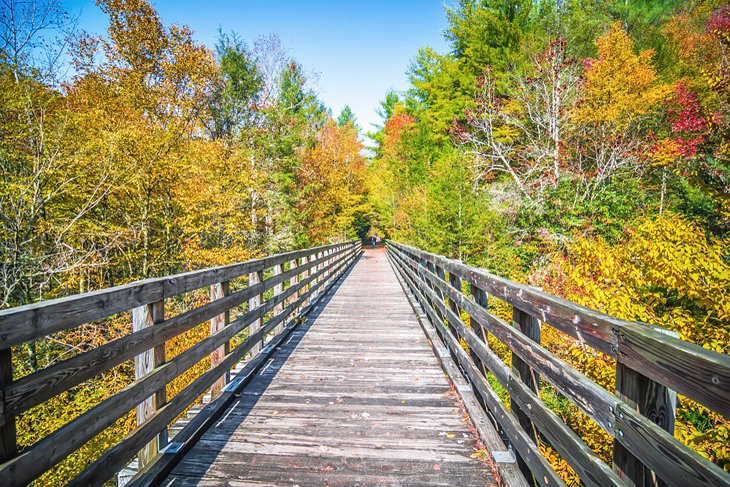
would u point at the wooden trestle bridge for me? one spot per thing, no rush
(334, 366)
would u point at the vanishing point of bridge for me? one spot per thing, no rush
(334, 366)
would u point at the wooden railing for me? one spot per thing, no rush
(650, 366)
(293, 280)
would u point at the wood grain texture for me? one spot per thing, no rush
(217, 323)
(530, 327)
(507, 470)
(35, 388)
(51, 449)
(521, 442)
(354, 397)
(144, 364)
(113, 459)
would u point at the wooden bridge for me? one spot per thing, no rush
(334, 366)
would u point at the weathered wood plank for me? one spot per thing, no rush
(654, 402)
(509, 473)
(662, 358)
(544, 473)
(592, 470)
(8, 433)
(53, 448)
(217, 323)
(114, 458)
(253, 303)
(684, 463)
(530, 327)
(145, 363)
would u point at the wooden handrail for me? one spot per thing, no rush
(307, 272)
(25, 323)
(654, 362)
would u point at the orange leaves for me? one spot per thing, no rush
(620, 86)
(331, 181)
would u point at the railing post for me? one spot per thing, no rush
(530, 327)
(481, 298)
(278, 288)
(439, 271)
(455, 282)
(8, 433)
(217, 323)
(253, 303)
(431, 269)
(305, 275)
(654, 401)
(319, 268)
(144, 363)
(293, 281)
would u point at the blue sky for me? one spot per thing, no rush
(360, 49)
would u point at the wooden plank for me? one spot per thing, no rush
(674, 462)
(154, 473)
(24, 323)
(643, 349)
(253, 303)
(481, 298)
(278, 269)
(217, 323)
(144, 364)
(671, 362)
(653, 401)
(591, 469)
(592, 399)
(305, 272)
(544, 472)
(530, 327)
(509, 473)
(589, 326)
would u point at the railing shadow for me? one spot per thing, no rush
(194, 465)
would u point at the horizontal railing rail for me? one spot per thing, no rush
(293, 282)
(649, 365)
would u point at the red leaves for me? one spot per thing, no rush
(687, 121)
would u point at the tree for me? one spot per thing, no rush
(346, 117)
(331, 181)
(523, 133)
(234, 100)
(620, 92)
(488, 32)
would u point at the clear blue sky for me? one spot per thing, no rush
(360, 49)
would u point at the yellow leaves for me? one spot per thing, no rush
(332, 179)
(665, 153)
(620, 87)
(665, 272)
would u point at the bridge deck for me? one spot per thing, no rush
(354, 397)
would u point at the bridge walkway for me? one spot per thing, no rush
(355, 396)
